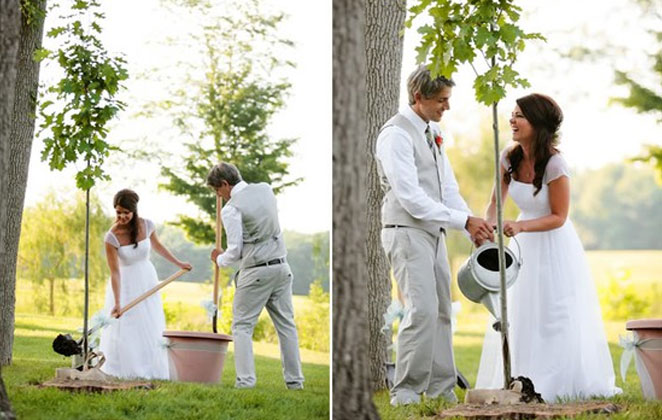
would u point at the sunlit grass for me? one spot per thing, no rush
(35, 362)
(467, 343)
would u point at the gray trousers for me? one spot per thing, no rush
(257, 288)
(424, 351)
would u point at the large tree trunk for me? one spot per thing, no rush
(9, 40)
(20, 144)
(352, 394)
(384, 39)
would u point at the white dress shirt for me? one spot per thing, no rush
(234, 231)
(395, 151)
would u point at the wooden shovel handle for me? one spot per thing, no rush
(153, 290)
(219, 231)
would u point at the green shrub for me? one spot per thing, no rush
(619, 299)
(313, 324)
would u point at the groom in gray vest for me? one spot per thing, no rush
(255, 242)
(422, 200)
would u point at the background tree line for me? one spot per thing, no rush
(306, 253)
(51, 250)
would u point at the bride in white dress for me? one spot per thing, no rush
(556, 333)
(133, 344)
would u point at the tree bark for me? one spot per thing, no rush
(9, 40)
(20, 144)
(352, 394)
(384, 43)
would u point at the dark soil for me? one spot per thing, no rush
(529, 411)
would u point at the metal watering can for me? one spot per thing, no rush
(478, 277)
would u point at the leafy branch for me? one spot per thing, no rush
(460, 32)
(77, 108)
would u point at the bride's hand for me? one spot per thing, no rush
(185, 266)
(115, 312)
(511, 228)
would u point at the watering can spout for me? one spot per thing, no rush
(491, 301)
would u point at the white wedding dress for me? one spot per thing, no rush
(556, 333)
(133, 344)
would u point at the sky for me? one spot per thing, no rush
(593, 133)
(139, 30)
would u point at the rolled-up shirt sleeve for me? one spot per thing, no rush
(396, 155)
(234, 233)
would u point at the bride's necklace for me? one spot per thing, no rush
(526, 172)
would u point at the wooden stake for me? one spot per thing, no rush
(219, 231)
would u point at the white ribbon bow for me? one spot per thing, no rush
(393, 312)
(630, 343)
(210, 307)
(99, 321)
(396, 311)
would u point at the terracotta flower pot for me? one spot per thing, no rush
(648, 355)
(196, 356)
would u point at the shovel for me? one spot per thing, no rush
(219, 232)
(67, 346)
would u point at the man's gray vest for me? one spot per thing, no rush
(430, 178)
(263, 240)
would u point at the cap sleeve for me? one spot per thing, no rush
(556, 168)
(150, 227)
(110, 238)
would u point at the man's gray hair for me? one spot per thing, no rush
(420, 82)
(223, 172)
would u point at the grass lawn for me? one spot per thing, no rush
(468, 344)
(35, 362)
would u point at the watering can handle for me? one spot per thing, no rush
(519, 250)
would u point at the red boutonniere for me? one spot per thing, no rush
(439, 140)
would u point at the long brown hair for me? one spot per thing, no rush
(545, 116)
(129, 200)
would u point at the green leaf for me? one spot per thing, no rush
(462, 51)
(509, 33)
(508, 74)
(53, 33)
(45, 105)
(483, 37)
(422, 53)
(419, 8)
(513, 12)
(80, 5)
(40, 54)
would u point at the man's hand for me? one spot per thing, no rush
(479, 230)
(215, 253)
